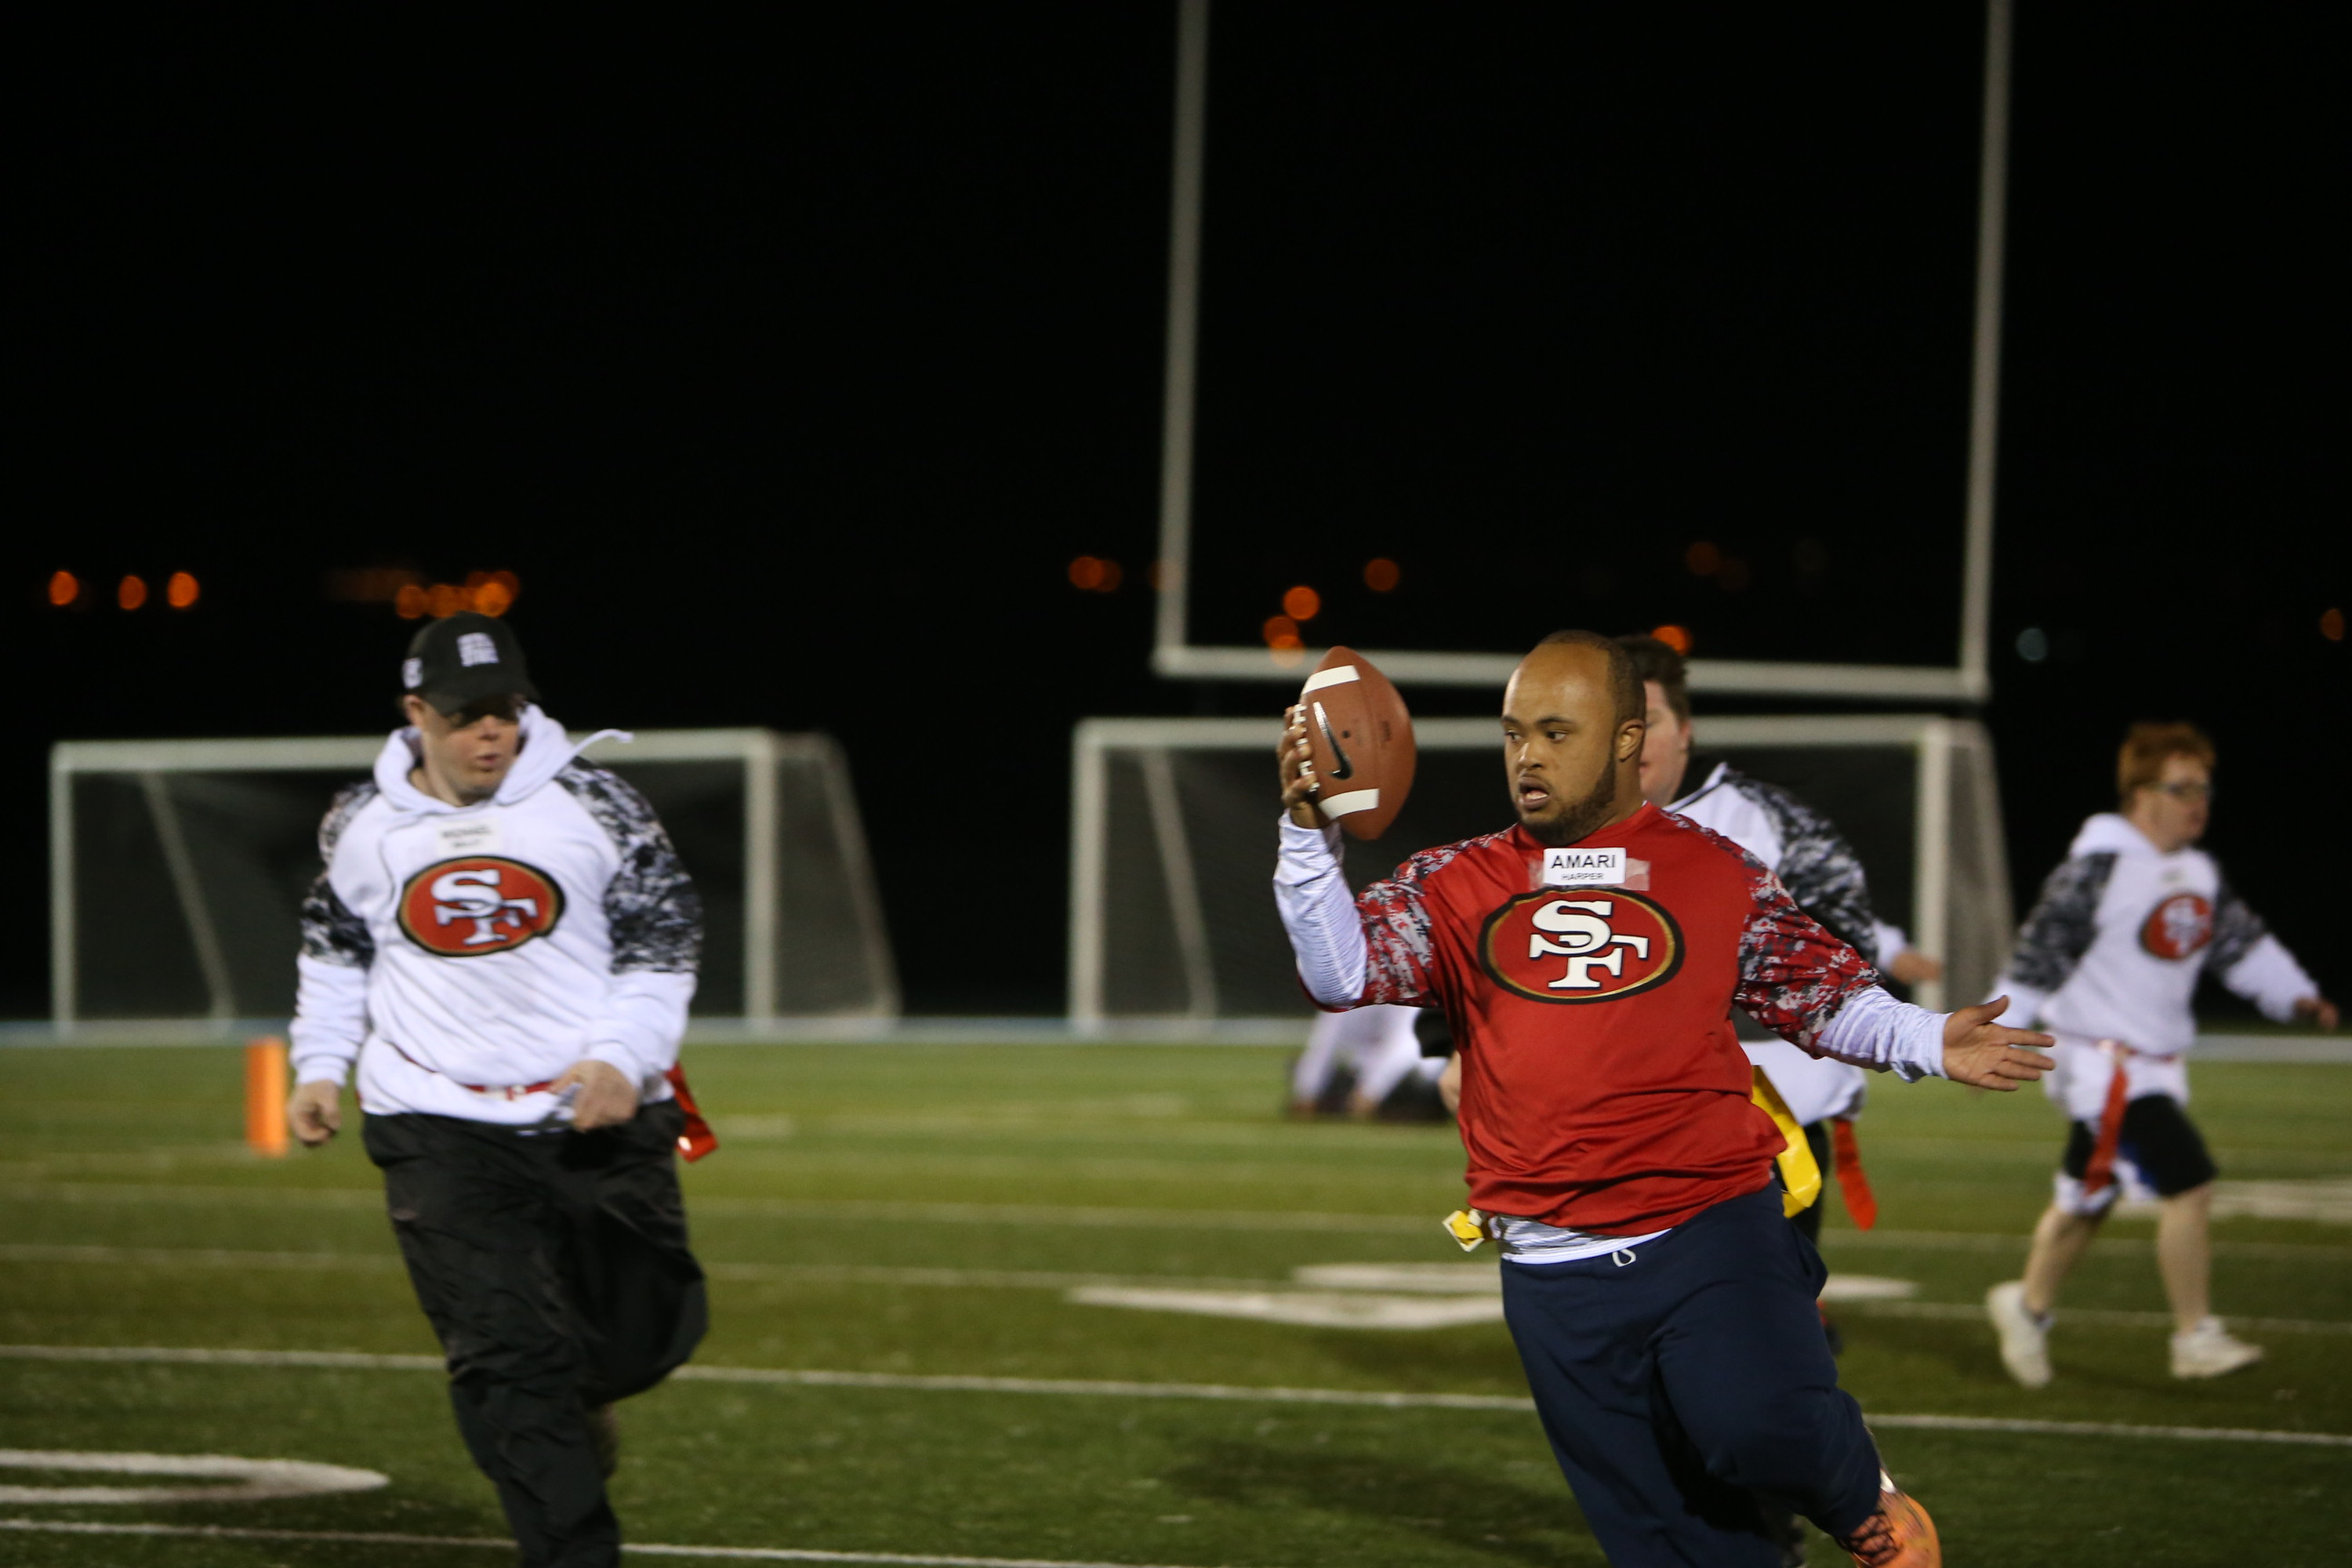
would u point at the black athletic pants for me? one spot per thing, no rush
(1678, 1379)
(554, 1268)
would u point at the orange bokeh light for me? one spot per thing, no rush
(1703, 558)
(408, 601)
(130, 592)
(1281, 632)
(1096, 574)
(1676, 638)
(1302, 603)
(2331, 624)
(492, 591)
(63, 588)
(181, 591)
(1381, 576)
(444, 599)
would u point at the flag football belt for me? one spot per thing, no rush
(1801, 1173)
(2100, 1174)
(694, 1143)
(1861, 1203)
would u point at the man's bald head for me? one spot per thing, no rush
(1572, 727)
(1624, 677)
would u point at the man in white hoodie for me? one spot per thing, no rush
(2108, 963)
(504, 943)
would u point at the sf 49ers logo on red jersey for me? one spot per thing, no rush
(2177, 927)
(1550, 946)
(479, 903)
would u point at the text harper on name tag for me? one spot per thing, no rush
(1582, 867)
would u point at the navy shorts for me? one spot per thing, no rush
(2158, 1140)
(1679, 1379)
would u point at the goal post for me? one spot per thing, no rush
(177, 870)
(1172, 846)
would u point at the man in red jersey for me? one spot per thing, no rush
(1588, 961)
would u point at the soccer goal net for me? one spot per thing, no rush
(178, 868)
(1172, 845)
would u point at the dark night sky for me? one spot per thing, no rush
(789, 364)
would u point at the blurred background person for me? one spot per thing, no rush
(2108, 963)
(1366, 1064)
(1821, 873)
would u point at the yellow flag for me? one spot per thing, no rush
(1799, 1173)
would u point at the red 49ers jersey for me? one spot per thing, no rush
(1602, 1086)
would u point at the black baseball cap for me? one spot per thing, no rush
(464, 658)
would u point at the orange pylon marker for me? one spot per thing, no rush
(265, 1097)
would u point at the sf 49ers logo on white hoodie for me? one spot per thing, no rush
(2178, 926)
(476, 904)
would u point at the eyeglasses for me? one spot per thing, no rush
(507, 706)
(2184, 789)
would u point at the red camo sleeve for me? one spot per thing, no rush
(1399, 948)
(1793, 975)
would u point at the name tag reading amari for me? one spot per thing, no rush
(1582, 867)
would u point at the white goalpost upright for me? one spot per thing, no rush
(177, 869)
(1172, 845)
(1171, 828)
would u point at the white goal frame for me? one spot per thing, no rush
(758, 750)
(1173, 654)
(1937, 742)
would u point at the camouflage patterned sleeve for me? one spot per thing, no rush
(2236, 930)
(2063, 923)
(1400, 957)
(331, 934)
(1794, 974)
(1818, 867)
(650, 906)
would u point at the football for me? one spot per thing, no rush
(1361, 739)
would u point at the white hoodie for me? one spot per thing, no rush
(2113, 950)
(463, 953)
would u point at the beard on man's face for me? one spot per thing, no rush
(1583, 816)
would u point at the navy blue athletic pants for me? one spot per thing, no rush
(1678, 1379)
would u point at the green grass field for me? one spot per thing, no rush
(926, 1212)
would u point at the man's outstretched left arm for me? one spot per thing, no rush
(1805, 985)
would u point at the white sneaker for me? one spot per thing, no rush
(2208, 1350)
(2025, 1338)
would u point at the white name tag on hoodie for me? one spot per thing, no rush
(453, 836)
(1584, 867)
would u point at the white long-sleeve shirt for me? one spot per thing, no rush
(2113, 949)
(459, 956)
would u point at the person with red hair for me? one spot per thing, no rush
(2108, 964)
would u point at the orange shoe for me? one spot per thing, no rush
(1899, 1535)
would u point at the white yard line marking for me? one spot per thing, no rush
(1225, 1393)
(2108, 1429)
(2015, 1241)
(146, 1193)
(641, 1549)
(1959, 1312)
(1270, 1300)
(820, 1273)
(195, 1256)
(1085, 1218)
(250, 1480)
(1304, 1308)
